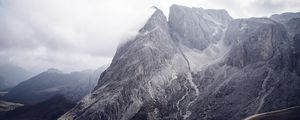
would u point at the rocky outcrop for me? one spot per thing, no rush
(291, 21)
(200, 64)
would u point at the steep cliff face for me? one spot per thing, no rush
(291, 21)
(293, 28)
(297, 52)
(196, 27)
(256, 39)
(200, 64)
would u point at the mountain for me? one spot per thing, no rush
(285, 114)
(198, 64)
(50, 109)
(52, 82)
(11, 75)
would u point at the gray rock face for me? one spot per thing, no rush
(297, 52)
(197, 27)
(200, 64)
(254, 40)
(292, 25)
(253, 76)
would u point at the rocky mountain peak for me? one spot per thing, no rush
(157, 20)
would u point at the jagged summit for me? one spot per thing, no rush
(219, 16)
(157, 20)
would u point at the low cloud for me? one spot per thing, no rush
(83, 34)
(67, 34)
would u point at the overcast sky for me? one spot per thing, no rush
(83, 34)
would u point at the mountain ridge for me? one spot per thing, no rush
(45, 85)
(190, 67)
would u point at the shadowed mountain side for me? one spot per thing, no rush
(50, 109)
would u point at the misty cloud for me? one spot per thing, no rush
(81, 34)
(66, 34)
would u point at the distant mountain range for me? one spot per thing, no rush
(199, 64)
(73, 86)
(11, 75)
